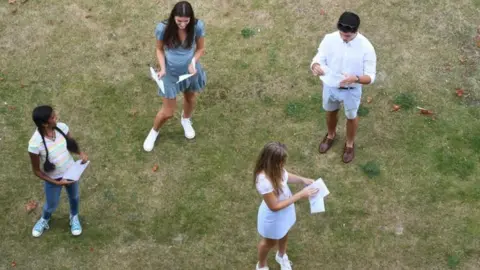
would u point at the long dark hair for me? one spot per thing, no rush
(170, 37)
(40, 116)
(271, 160)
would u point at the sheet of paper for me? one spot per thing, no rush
(76, 170)
(157, 80)
(331, 78)
(184, 77)
(323, 190)
(317, 203)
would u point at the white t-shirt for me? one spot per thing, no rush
(58, 153)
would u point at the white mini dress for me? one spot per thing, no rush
(270, 224)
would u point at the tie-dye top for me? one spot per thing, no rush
(58, 153)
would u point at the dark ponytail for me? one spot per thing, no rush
(40, 116)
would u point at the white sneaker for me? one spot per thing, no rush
(75, 226)
(150, 140)
(187, 127)
(263, 268)
(285, 263)
(40, 226)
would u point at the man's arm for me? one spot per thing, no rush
(369, 67)
(321, 56)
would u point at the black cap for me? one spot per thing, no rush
(348, 22)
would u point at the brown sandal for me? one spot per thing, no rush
(348, 153)
(326, 144)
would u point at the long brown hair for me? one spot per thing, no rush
(271, 160)
(171, 39)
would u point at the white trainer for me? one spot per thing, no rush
(187, 127)
(150, 140)
(263, 268)
(40, 226)
(285, 263)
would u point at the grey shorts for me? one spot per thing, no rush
(332, 97)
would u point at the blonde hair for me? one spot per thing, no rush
(271, 160)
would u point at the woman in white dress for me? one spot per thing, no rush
(276, 214)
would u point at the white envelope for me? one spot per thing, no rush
(317, 203)
(186, 76)
(157, 80)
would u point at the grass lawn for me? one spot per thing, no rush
(410, 199)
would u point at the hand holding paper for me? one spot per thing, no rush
(332, 79)
(317, 204)
(191, 71)
(157, 80)
(75, 171)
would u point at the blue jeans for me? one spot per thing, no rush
(52, 194)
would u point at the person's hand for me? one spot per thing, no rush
(307, 182)
(317, 70)
(160, 74)
(308, 191)
(64, 182)
(349, 79)
(192, 69)
(84, 157)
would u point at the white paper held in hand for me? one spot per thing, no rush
(331, 78)
(186, 76)
(159, 82)
(75, 171)
(317, 203)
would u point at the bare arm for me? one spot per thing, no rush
(296, 179)
(35, 160)
(160, 54)
(275, 205)
(200, 49)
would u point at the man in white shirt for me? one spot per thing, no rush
(346, 60)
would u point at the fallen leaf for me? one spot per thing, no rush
(91, 249)
(459, 92)
(133, 112)
(12, 1)
(11, 108)
(31, 205)
(88, 16)
(396, 107)
(155, 168)
(322, 12)
(14, 264)
(462, 59)
(425, 111)
(369, 99)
